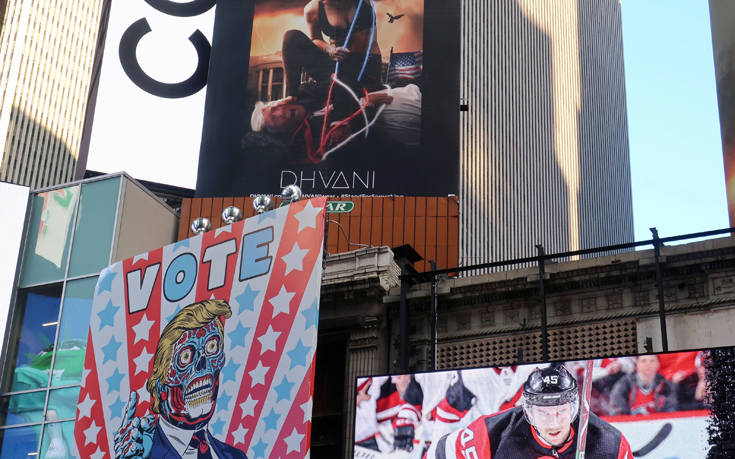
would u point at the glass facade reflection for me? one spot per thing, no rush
(69, 241)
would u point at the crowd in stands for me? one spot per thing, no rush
(406, 412)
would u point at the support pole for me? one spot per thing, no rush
(434, 312)
(403, 323)
(660, 287)
(542, 293)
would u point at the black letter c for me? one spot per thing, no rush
(193, 8)
(128, 59)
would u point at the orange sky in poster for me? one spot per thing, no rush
(406, 34)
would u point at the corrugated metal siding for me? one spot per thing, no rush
(544, 145)
(46, 56)
(429, 224)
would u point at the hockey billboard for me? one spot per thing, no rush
(337, 97)
(654, 405)
(207, 345)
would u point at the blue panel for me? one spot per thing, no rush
(19, 442)
(74, 328)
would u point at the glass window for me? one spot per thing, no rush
(19, 442)
(58, 440)
(32, 339)
(46, 249)
(73, 331)
(90, 251)
(22, 408)
(62, 403)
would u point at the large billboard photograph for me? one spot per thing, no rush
(207, 345)
(336, 96)
(652, 406)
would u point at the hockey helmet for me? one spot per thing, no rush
(550, 386)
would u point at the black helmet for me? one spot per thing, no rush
(550, 386)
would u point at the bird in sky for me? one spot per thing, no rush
(392, 19)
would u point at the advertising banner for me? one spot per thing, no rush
(207, 345)
(341, 97)
(150, 96)
(649, 406)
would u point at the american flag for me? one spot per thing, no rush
(405, 65)
(265, 392)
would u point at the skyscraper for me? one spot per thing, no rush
(544, 145)
(47, 50)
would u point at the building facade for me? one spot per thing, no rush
(544, 140)
(47, 52)
(72, 233)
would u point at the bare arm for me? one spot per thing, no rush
(311, 14)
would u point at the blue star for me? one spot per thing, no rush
(311, 314)
(117, 408)
(107, 315)
(246, 300)
(183, 243)
(113, 382)
(223, 400)
(104, 284)
(229, 372)
(237, 336)
(284, 389)
(271, 421)
(298, 354)
(258, 450)
(266, 215)
(218, 426)
(109, 350)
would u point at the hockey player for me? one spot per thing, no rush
(544, 426)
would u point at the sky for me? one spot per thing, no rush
(675, 147)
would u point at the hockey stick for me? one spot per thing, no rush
(584, 409)
(655, 441)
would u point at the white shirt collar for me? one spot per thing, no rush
(178, 437)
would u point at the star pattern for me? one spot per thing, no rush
(307, 217)
(109, 350)
(90, 433)
(284, 389)
(239, 434)
(295, 259)
(142, 329)
(229, 372)
(258, 374)
(271, 421)
(223, 400)
(306, 408)
(311, 314)
(117, 408)
(217, 426)
(104, 284)
(298, 354)
(293, 441)
(238, 335)
(258, 450)
(113, 381)
(143, 361)
(282, 302)
(248, 406)
(107, 315)
(85, 408)
(98, 454)
(268, 340)
(247, 299)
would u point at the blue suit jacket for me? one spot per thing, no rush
(162, 447)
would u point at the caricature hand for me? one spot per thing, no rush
(337, 53)
(135, 436)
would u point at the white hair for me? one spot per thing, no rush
(257, 120)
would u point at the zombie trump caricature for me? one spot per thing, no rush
(183, 386)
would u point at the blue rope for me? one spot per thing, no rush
(349, 34)
(370, 45)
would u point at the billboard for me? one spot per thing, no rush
(150, 94)
(652, 406)
(337, 97)
(207, 345)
